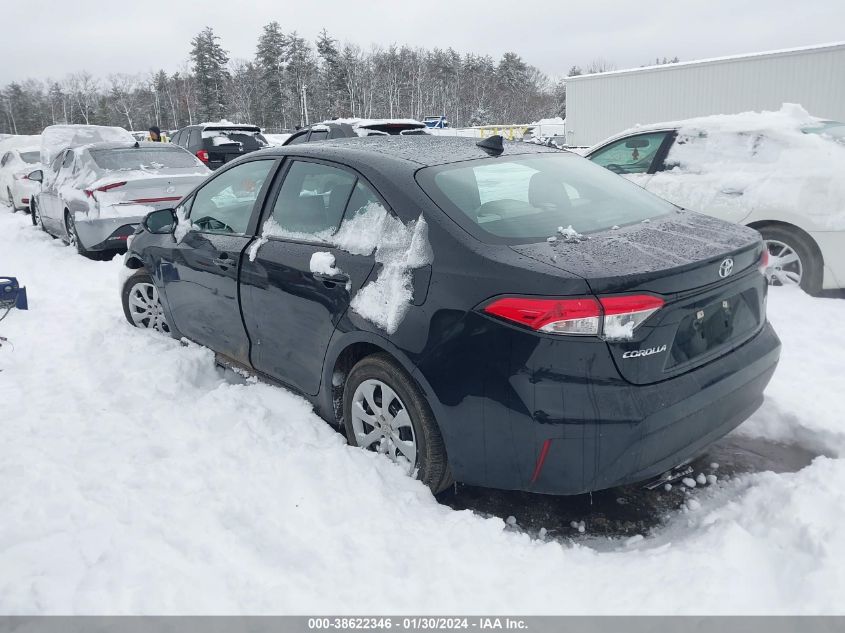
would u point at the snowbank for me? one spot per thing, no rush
(139, 479)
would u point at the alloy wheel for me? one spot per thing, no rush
(145, 307)
(73, 240)
(785, 267)
(381, 423)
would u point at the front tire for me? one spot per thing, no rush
(384, 411)
(142, 303)
(793, 260)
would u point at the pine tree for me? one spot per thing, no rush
(270, 58)
(210, 61)
(331, 74)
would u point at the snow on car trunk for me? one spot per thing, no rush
(135, 477)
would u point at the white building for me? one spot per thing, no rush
(603, 104)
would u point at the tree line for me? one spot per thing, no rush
(291, 82)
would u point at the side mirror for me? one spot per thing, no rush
(636, 143)
(36, 176)
(161, 221)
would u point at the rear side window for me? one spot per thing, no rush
(312, 200)
(527, 198)
(144, 158)
(318, 135)
(297, 139)
(249, 140)
(631, 155)
(194, 139)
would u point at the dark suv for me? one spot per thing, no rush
(215, 144)
(526, 320)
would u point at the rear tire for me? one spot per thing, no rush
(786, 244)
(73, 236)
(380, 374)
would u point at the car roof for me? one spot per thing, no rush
(128, 145)
(420, 150)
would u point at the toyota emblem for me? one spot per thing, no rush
(726, 268)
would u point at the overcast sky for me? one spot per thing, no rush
(53, 38)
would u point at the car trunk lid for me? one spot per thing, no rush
(704, 270)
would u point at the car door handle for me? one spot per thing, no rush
(224, 261)
(331, 279)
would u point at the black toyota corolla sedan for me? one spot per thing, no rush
(506, 316)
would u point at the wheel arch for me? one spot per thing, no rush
(346, 349)
(788, 226)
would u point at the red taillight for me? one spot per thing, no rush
(109, 187)
(763, 264)
(558, 316)
(203, 155)
(613, 316)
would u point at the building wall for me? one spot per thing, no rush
(598, 106)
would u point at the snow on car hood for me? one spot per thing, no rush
(733, 165)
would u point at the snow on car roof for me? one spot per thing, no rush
(370, 122)
(21, 142)
(56, 138)
(790, 117)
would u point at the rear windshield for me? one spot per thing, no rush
(31, 157)
(527, 198)
(144, 158)
(250, 140)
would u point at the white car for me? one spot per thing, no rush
(15, 166)
(778, 172)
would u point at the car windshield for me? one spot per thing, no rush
(833, 129)
(250, 140)
(517, 199)
(31, 157)
(144, 158)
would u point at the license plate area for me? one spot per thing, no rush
(715, 326)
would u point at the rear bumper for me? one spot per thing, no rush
(832, 246)
(106, 233)
(599, 432)
(680, 419)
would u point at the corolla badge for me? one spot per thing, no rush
(648, 351)
(726, 267)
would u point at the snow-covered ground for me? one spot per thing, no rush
(135, 477)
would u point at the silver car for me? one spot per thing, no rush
(93, 196)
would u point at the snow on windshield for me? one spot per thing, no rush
(132, 158)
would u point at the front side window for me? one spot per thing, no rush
(225, 203)
(526, 198)
(631, 155)
(31, 158)
(312, 200)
